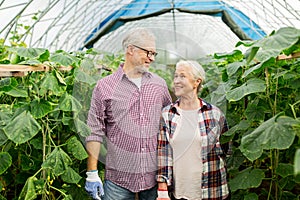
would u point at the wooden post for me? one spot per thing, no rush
(7, 70)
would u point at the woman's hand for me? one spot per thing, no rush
(162, 194)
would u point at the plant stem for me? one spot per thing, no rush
(36, 173)
(293, 109)
(44, 155)
(44, 144)
(272, 173)
(275, 98)
(276, 156)
(269, 194)
(267, 89)
(58, 190)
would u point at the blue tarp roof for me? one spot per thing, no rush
(238, 22)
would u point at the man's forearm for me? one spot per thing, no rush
(93, 149)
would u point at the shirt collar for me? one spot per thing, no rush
(203, 106)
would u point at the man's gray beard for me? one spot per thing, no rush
(142, 69)
(138, 70)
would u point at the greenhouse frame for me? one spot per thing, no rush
(54, 52)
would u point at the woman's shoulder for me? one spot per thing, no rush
(212, 109)
(167, 108)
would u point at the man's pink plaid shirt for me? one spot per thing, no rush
(126, 118)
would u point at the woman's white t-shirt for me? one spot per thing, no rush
(187, 160)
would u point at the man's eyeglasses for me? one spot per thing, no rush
(149, 53)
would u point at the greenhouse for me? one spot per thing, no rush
(53, 53)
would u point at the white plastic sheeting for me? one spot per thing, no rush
(65, 24)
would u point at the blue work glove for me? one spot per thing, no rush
(93, 185)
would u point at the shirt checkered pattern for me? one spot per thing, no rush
(212, 124)
(126, 118)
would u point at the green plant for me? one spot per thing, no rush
(263, 95)
(42, 118)
(42, 123)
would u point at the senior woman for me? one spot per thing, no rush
(191, 159)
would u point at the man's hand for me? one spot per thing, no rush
(162, 194)
(93, 185)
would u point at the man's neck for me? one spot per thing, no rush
(131, 72)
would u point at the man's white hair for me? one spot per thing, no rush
(137, 36)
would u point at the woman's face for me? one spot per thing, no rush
(184, 81)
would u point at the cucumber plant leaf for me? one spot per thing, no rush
(69, 103)
(30, 52)
(50, 83)
(81, 76)
(3, 137)
(282, 39)
(6, 112)
(17, 92)
(285, 169)
(241, 126)
(250, 54)
(251, 196)
(259, 67)
(232, 68)
(37, 143)
(76, 148)
(59, 77)
(22, 128)
(233, 55)
(246, 43)
(63, 58)
(275, 133)
(6, 161)
(7, 84)
(44, 56)
(70, 176)
(248, 178)
(28, 192)
(88, 66)
(40, 108)
(81, 128)
(58, 161)
(255, 112)
(274, 44)
(253, 85)
(32, 62)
